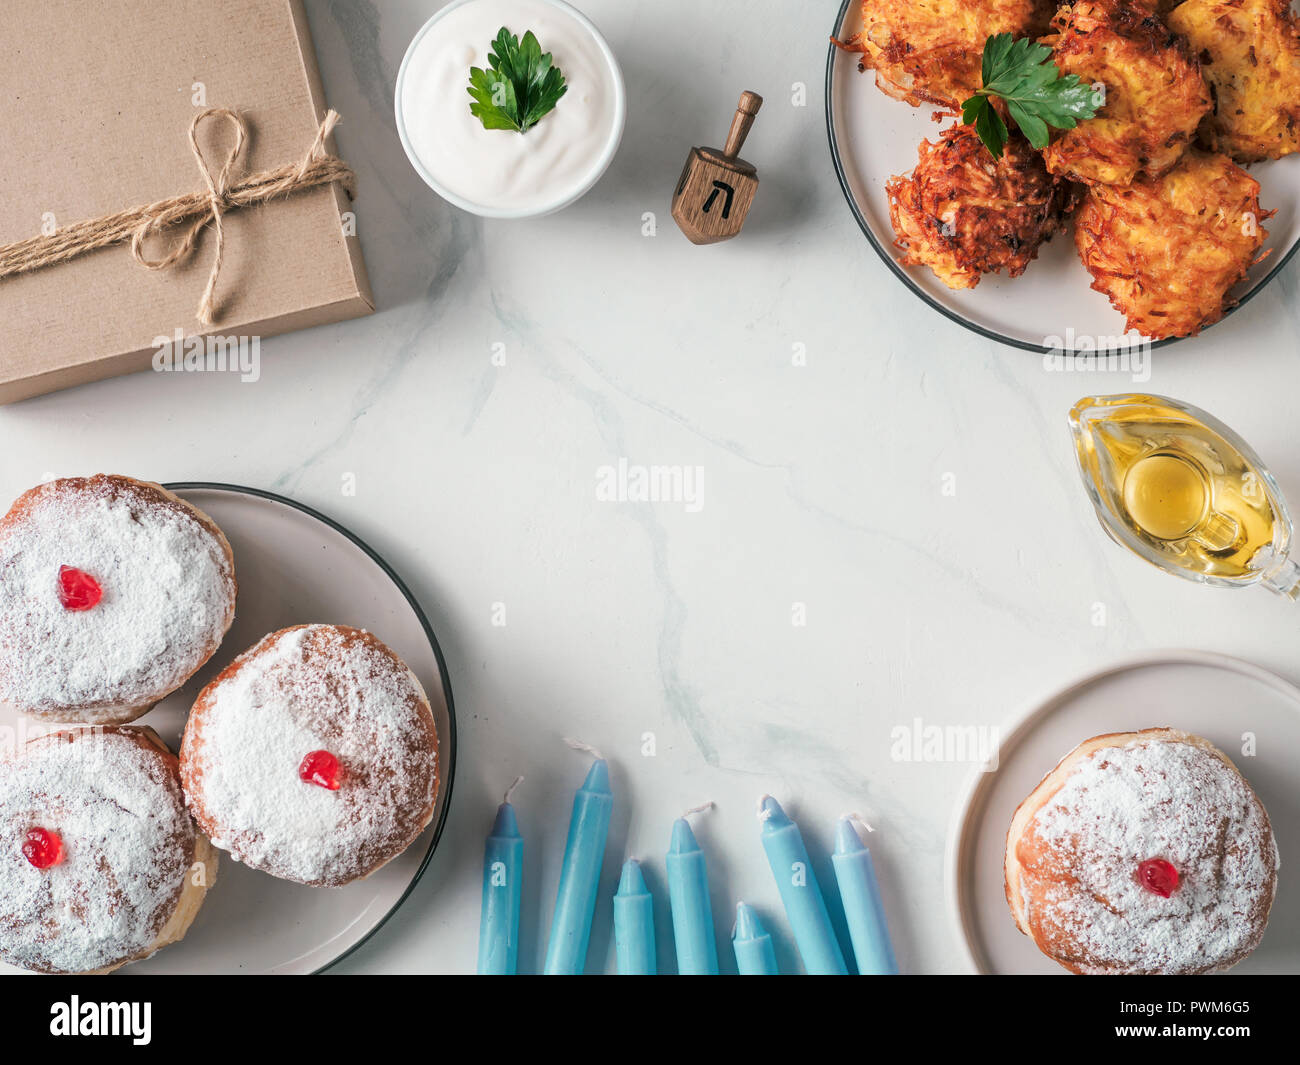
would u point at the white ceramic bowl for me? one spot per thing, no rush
(563, 197)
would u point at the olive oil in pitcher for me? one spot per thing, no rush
(1183, 491)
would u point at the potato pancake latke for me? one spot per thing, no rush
(963, 214)
(1154, 94)
(1167, 250)
(930, 51)
(1250, 54)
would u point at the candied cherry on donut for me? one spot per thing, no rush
(1158, 876)
(78, 590)
(323, 769)
(43, 848)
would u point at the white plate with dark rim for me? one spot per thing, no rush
(1212, 695)
(873, 138)
(295, 565)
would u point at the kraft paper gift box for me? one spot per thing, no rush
(99, 97)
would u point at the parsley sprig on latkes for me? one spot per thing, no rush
(520, 86)
(1037, 95)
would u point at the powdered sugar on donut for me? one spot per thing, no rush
(302, 690)
(1156, 799)
(127, 839)
(168, 598)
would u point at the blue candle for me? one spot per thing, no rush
(688, 894)
(755, 955)
(566, 953)
(862, 907)
(503, 870)
(634, 923)
(804, 905)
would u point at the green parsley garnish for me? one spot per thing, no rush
(520, 86)
(1037, 95)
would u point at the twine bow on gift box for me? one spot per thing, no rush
(199, 208)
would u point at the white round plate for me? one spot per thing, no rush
(295, 565)
(1211, 695)
(873, 138)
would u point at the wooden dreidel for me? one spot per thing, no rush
(717, 187)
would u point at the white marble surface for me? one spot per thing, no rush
(822, 485)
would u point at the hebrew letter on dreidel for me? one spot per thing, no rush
(720, 186)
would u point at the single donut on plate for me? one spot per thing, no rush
(313, 756)
(113, 593)
(1142, 853)
(100, 862)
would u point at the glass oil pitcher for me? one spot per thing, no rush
(1183, 491)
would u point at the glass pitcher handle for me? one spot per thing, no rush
(1284, 580)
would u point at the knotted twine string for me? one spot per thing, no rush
(138, 223)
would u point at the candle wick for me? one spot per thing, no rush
(764, 814)
(511, 790)
(858, 819)
(587, 748)
(700, 809)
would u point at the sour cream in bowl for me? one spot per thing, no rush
(502, 173)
